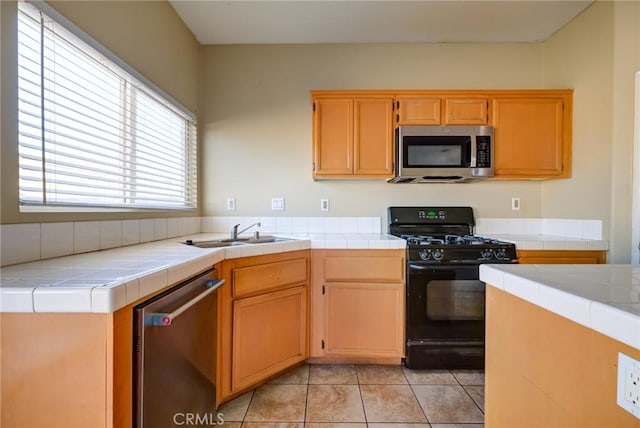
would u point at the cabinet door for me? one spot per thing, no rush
(364, 319)
(466, 111)
(530, 137)
(373, 138)
(333, 137)
(418, 111)
(269, 335)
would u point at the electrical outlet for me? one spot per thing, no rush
(231, 204)
(277, 204)
(632, 386)
(515, 204)
(629, 384)
(324, 204)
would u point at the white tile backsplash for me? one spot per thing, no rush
(130, 232)
(19, 243)
(56, 239)
(348, 225)
(568, 228)
(147, 232)
(316, 225)
(86, 236)
(332, 225)
(173, 229)
(160, 229)
(110, 234)
(591, 229)
(34, 241)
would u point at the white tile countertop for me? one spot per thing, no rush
(604, 298)
(105, 281)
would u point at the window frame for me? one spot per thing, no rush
(189, 176)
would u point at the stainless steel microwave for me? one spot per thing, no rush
(427, 154)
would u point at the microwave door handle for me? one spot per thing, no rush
(474, 145)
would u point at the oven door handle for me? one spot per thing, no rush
(416, 266)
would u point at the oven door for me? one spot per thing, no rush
(445, 317)
(445, 302)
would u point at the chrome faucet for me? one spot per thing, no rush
(235, 232)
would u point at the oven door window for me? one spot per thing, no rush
(455, 300)
(446, 151)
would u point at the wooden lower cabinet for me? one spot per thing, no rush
(71, 370)
(562, 256)
(362, 319)
(543, 370)
(263, 319)
(357, 306)
(269, 335)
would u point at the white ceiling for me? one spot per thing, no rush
(365, 21)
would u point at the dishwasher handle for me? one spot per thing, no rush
(165, 319)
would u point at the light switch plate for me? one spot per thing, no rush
(277, 204)
(324, 204)
(629, 384)
(231, 204)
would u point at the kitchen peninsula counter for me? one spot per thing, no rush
(105, 281)
(553, 336)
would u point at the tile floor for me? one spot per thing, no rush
(362, 396)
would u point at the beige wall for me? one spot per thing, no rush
(256, 123)
(148, 35)
(597, 54)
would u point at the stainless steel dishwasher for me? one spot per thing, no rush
(174, 361)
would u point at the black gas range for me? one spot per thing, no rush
(445, 298)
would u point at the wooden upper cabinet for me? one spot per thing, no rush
(373, 139)
(418, 110)
(532, 136)
(353, 136)
(333, 137)
(353, 131)
(466, 111)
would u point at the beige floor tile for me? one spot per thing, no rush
(333, 374)
(235, 409)
(447, 404)
(469, 377)
(277, 403)
(477, 393)
(335, 425)
(457, 425)
(397, 425)
(226, 424)
(429, 377)
(391, 403)
(296, 376)
(380, 375)
(273, 425)
(334, 403)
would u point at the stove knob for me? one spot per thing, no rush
(486, 254)
(500, 253)
(424, 254)
(438, 254)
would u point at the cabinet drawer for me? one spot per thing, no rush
(377, 268)
(271, 276)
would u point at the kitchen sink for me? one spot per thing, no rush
(218, 243)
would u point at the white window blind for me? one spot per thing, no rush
(90, 134)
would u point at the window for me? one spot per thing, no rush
(90, 132)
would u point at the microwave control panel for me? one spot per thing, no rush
(483, 151)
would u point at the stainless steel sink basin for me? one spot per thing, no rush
(218, 243)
